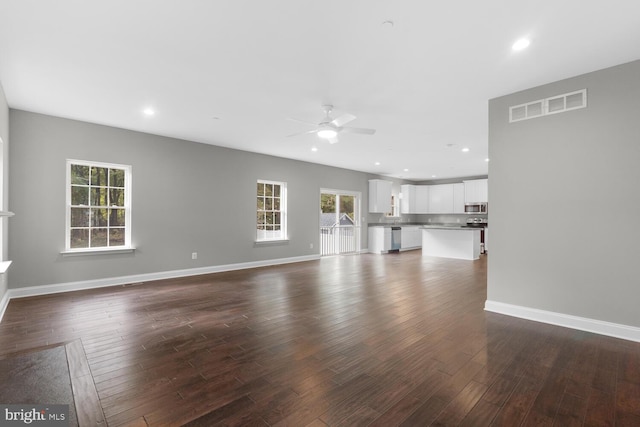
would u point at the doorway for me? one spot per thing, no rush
(339, 224)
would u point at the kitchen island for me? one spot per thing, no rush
(451, 242)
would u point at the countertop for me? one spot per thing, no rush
(427, 225)
(449, 227)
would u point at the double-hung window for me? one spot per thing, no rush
(271, 211)
(98, 206)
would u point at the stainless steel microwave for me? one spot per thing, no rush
(476, 208)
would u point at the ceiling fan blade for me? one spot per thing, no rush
(363, 131)
(343, 120)
(302, 121)
(333, 140)
(303, 133)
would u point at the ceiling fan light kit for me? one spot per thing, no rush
(329, 128)
(327, 133)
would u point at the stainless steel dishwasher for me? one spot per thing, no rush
(396, 238)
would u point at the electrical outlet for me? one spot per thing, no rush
(458, 219)
(194, 255)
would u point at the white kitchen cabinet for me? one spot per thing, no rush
(441, 198)
(422, 199)
(408, 201)
(458, 198)
(411, 237)
(415, 199)
(379, 239)
(379, 196)
(476, 191)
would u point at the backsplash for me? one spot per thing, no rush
(374, 218)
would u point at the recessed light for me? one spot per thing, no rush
(521, 44)
(433, 176)
(406, 170)
(148, 112)
(387, 24)
(314, 149)
(486, 160)
(465, 150)
(377, 163)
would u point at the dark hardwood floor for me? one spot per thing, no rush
(344, 341)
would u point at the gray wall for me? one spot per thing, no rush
(565, 200)
(4, 134)
(187, 197)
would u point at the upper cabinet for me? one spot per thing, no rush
(408, 200)
(422, 199)
(379, 196)
(441, 198)
(415, 199)
(458, 198)
(476, 191)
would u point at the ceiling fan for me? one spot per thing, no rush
(329, 128)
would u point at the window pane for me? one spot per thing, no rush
(328, 203)
(98, 197)
(79, 238)
(80, 174)
(260, 203)
(268, 204)
(116, 237)
(99, 217)
(276, 190)
(116, 197)
(117, 217)
(276, 204)
(98, 237)
(80, 196)
(116, 178)
(269, 216)
(268, 189)
(276, 227)
(99, 176)
(260, 189)
(79, 217)
(260, 219)
(276, 217)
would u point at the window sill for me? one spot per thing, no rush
(98, 251)
(271, 242)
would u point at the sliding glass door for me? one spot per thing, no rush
(339, 225)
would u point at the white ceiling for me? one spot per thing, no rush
(231, 72)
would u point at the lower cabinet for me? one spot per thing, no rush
(411, 237)
(379, 239)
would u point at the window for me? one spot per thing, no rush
(98, 206)
(271, 211)
(394, 207)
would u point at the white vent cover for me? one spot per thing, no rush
(542, 107)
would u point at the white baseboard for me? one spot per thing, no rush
(137, 278)
(616, 330)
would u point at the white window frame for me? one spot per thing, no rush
(127, 247)
(261, 235)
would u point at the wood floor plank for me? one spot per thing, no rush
(354, 340)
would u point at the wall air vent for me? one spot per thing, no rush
(552, 105)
